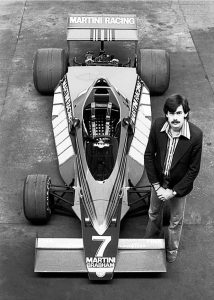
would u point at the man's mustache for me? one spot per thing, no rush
(175, 122)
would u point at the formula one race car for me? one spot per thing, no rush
(101, 122)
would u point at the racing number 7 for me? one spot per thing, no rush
(105, 241)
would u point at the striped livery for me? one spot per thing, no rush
(102, 34)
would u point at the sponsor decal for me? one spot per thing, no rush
(99, 263)
(67, 99)
(136, 99)
(101, 20)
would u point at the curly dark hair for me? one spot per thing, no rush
(172, 103)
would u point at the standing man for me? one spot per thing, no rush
(172, 162)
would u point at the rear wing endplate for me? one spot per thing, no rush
(94, 27)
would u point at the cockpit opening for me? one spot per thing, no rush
(101, 128)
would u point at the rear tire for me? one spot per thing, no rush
(153, 66)
(49, 67)
(36, 200)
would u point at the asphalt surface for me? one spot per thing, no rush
(186, 30)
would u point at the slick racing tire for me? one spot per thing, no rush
(153, 66)
(49, 67)
(36, 199)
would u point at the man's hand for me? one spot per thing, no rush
(164, 194)
(161, 193)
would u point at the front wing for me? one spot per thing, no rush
(67, 255)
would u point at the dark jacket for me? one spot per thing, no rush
(186, 160)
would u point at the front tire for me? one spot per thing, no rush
(153, 66)
(36, 199)
(49, 67)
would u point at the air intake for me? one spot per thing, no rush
(101, 82)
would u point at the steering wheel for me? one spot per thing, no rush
(100, 141)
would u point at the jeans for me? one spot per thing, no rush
(155, 224)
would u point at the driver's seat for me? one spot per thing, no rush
(102, 147)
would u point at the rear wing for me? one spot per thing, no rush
(94, 27)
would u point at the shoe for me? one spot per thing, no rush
(171, 257)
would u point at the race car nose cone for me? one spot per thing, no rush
(100, 228)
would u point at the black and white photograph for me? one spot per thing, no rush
(106, 149)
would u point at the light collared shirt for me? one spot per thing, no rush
(172, 144)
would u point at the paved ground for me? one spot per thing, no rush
(186, 30)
